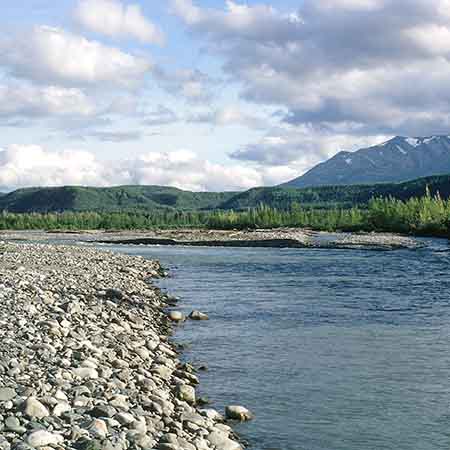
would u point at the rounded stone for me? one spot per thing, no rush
(186, 393)
(240, 413)
(197, 315)
(42, 438)
(176, 316)
(35, 409)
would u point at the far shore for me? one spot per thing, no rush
(264, 238)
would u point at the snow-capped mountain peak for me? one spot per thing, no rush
(398, 159)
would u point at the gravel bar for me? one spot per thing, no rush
(85, 358)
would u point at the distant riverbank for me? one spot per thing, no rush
(275, 238)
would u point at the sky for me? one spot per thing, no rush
(212, 94)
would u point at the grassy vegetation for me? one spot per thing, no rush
(427, 215)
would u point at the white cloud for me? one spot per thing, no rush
(26, 100)
(231, 115)
(295, 150)
(192, 85)
(113, 18)
(32, 165)
(52, 55)
(390, 79)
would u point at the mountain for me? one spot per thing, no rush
(121, 198)
(399, 159)
(342, 196)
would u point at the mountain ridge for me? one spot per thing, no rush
(396, 160)
(150, 199)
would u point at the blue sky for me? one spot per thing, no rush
(212, 94)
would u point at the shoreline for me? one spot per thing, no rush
(85, 356)
(263, 238)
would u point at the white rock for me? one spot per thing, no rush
(85, 373)
(35, 409)
(221, 441)
(176, 316)
(42, 438)
(186, 393)
(240, 413)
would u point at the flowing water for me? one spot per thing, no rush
(331, 349)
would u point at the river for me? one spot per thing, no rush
(331, 349)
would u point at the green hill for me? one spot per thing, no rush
(122, 198)
(337, 196)
(157, 198)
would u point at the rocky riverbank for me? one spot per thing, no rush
(85, 359)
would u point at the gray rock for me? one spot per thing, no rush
(13, 424)
(7, 394)
(240, 413)
(197, 315)
(186, 393)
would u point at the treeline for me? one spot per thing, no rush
(428, 215)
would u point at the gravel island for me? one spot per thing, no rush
(267, 238)
(85, 359)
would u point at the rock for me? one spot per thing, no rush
(238, 413)
(186, 393)
(33, 408)
(125, 418)
(61, 408)
(43, 438)
(116, 294)
(197, 315)
(7, 394)
(85, 373)
(211, 414)
(13, 424)
(120, 402)
(176, 316)
(221, 441)
(98, 428)
(103, 411)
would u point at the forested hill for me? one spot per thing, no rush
(122, 198)
(154, 198)
(338, 196)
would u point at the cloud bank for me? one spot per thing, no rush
(362, 67)
(32, 165)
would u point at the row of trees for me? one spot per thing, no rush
(427, 215)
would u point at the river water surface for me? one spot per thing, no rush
(331, 349)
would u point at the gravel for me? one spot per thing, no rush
(85, 359)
